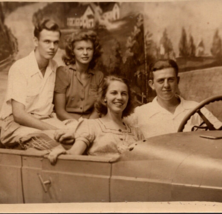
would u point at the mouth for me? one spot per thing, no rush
(119, 104)
(85, 58)
(51, 53)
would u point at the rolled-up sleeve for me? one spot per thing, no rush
(62, 80)
(84, 132)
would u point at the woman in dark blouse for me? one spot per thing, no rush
(78, 82)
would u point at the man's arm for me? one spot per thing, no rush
(25, 119)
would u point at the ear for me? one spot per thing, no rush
(178, 80)
(151, 84)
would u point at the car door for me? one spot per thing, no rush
(71, 179)
(10, 177)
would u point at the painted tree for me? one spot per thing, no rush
(216, 48)
(8, 44)
(134, 54)
(166, 47)
(191, 47)
(150, 49)
(200, 48)
(151, 56)
(115, 59)
(183, 46)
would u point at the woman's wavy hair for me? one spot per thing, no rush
(69, 57)
(100, 104)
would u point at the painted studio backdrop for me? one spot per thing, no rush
(133, 35)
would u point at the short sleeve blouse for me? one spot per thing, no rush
(79, 98)
(101, 140)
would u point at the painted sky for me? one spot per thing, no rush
(200, 18)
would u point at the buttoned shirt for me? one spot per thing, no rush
(152, 119)
(102, 140)
(28, 86)
(79, 98)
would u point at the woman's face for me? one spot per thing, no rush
(83, 51)
(117, 97)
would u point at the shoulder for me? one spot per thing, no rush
(63, 71)
(88, 125)
(19, 66)
(98, 74)
(188, 104)
(144, 107)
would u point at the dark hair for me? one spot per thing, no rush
(46, 24)
(161, 64)
(100, 105)
(69, 57)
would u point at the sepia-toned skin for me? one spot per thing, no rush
(165, 83)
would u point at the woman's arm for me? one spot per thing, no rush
(60, 102)
(78, 148)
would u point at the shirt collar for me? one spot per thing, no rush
(157, 108)
(73, 67)
(184, 104)
(34, 65)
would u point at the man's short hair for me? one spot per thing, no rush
(46, 24)
(161, 64)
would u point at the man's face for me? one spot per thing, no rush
(47, 44)
(165, 83)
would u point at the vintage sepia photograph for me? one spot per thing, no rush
(111, 103)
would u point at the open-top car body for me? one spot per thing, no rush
(183, 166)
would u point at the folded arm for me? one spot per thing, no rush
(60, 103)
(26, 119)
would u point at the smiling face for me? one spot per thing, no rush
(47, 44)
(165, 83)
(83, 51)
(116, 97)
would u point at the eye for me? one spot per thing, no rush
(124, 93)
(160, 81)
(113, 92)
(56, 43)
(171, 80)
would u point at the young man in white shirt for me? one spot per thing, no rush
(167, 110)
(28, 106)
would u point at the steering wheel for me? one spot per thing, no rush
(197, 110)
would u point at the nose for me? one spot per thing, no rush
(166, 83)
(119, 96)
(52, 46)
(85, 51)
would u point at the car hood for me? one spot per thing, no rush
(180, 160)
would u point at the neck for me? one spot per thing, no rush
(116, 118)
(82, 68)
(42, 62)
(169, 105)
